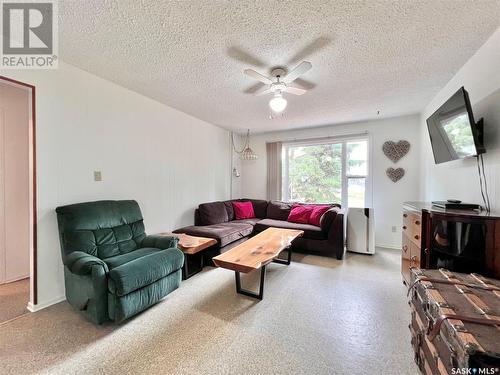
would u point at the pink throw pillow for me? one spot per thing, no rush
(300, 214)
(317, 212)
(243, 210)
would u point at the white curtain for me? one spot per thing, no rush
(274, 170)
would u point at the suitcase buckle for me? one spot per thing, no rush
(460, 328)
(444, 305)
(471, 348)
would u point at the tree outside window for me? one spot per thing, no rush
(326, 173)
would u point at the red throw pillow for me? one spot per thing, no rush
(299, 214)
(243, 210)
(317, 212)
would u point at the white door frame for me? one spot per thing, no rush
(33, 187)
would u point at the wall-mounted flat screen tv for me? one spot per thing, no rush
(453, 132)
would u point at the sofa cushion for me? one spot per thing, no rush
(310, 231)
(118, 260)
(144, 271)
(224, 233)
(259, 207)
(243, 210)
(229, 209)
(278, 210)
(300, 214)
(251, 221)
(317, 213)
(212, 213)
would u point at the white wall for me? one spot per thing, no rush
(459, 179)
(236, 163)
(387, 196)
(14, 183)
(165, 159)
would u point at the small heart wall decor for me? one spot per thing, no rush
(395, 151)
(395, 174)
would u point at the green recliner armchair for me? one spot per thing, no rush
(112, 269)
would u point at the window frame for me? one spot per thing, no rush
(343, 140)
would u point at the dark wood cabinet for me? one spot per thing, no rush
(458, 240)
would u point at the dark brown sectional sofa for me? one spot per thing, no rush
(216, 220)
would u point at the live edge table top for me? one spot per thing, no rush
(258, 250)
(191, 244)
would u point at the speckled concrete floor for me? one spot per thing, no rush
(14, 298)
(318, 316)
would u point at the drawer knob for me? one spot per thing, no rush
(405, 215)
(417, 222)
(404, 227)
(417, 236)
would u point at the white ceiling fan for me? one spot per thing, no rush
(280, 83)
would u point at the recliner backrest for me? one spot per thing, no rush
(102, 228)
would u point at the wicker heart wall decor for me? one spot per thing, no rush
(395, 174)
(395, 151)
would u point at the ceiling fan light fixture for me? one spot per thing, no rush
(278, 103)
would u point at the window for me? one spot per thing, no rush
(325, 172)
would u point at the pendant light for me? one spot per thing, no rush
(246, 153)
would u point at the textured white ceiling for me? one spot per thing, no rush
(367, 55)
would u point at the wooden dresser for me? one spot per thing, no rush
(458, 240)
(412, 240)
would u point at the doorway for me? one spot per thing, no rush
(17, 199)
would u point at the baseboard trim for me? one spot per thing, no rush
(40, 306)
(17, 278)
(387, 246)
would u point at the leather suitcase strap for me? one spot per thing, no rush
(430, 353)
(479, 304)
(450, 282)
(485, 282)
(464, 336)
(439, 321)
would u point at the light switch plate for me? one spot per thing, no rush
(97, 176)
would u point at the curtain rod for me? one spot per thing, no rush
(320, 138)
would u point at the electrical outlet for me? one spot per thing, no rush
(394, 229)
(97, 176)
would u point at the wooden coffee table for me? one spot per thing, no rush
(191, 245)
(256, 253)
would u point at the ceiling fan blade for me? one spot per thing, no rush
(267, 91)
(245, 57)
(295, 90)
(303, 67)
(304, 84)
(259, 77)
(312, 48)
(256, 87)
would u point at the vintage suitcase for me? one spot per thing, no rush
(455, 322)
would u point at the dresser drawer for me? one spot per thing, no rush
(412, 227)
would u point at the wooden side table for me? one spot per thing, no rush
(190, 246)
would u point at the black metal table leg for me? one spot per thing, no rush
(249, 293)
(288, 259)
(185, 269)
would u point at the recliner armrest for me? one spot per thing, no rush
(81, 263)
(160, 242)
